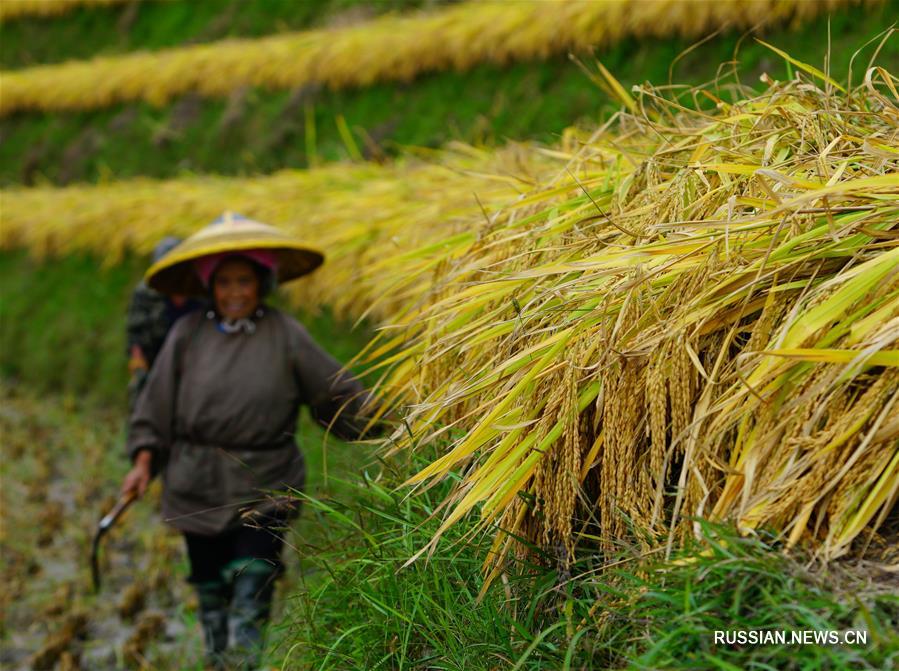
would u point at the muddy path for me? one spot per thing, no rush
(61, 467)
(60, 471)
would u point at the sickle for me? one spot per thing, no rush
(105, 525)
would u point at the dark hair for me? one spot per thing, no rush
(267, 280)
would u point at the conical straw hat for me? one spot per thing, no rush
(175, 272)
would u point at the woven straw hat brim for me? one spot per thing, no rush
(175, 273)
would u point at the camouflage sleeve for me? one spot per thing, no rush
(135, 386)
(140, 319)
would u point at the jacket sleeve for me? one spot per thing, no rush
(151, 424)
(139, 320)
(337, 400)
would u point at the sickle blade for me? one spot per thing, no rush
(105, 525)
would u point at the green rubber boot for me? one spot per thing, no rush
(213, 598)
(253, 588)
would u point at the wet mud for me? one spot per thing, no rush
(60, 472)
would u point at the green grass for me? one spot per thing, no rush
(156, 24)
(266, 130)
(360, 609)
(62, 325)
(669, 615)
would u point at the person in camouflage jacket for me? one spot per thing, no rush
(150, 317)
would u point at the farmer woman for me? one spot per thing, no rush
(218, 415)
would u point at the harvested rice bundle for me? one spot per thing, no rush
(364, 216)
(13, 9)
(390, 48)
(699, 317)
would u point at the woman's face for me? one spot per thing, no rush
(235, 289)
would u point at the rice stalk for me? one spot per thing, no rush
(740, 319)
(680, 315)
(14, 9)
(392, 48)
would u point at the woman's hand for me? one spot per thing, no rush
(138, 477)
